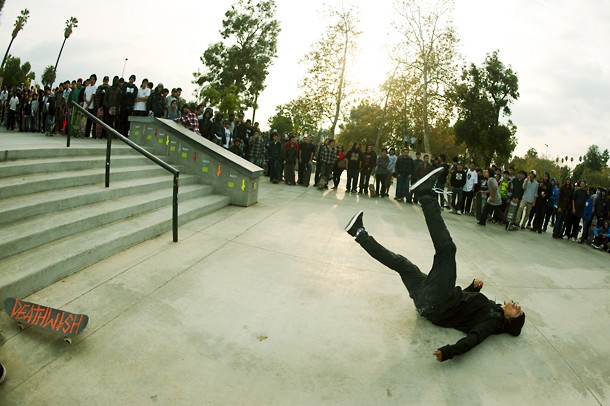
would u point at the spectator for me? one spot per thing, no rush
(601, 206)
(189, 120)
(172, 113)
(579, 200)
(602, 236)
(218, 130)
(154, 104)
(458, 180)
(369, 161)
(587, 215)
(494, 202)
(530, 192)
(139, 106)
(291, 155)
(257, 149)
(306, 153)
(50, 105)
(328, 156)
(112, 102)
(129, 92)
(381, 171)
(545, 192)
(551, 205)
(206, 124)
(469, 191)
(12, 111)
(226, 137)
(340, 166)
(236, 148)
(354, 165)
(275, 149)
(240, 129)
(442, 179)
(564, 202)
(391, 170)
(414, 177)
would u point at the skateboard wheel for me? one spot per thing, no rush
(21, 326)
(68, 340)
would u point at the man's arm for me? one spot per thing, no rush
(474, 337)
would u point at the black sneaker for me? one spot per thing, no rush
(354, 224)
(424, 185)
(2, 373)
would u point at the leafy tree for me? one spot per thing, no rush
(14, 73)
(532, 153)
(226, 99)
(595, 159)
(281, 121)
(483, 95)
(48, 75)
(70, 24)
(325, 86)
(19, 23)
(239, 65)
(429, 51)
(362, 125)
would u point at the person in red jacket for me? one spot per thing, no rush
(435, 295)
(340, 166)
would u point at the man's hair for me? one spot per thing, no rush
(384, 149)
(507, 172)
(513, 326)
(426, 156)
(418, 153)
(133, 76)
(511, 167)
(179, 89)
(443, 157)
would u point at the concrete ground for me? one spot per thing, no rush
(276, 305)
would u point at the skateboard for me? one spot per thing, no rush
(512, 209)
(372, 192)
(47, 318)
(323, 182)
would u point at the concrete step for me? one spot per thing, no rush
(30, 271)
(63, 164)
(22, 207)
(62, 151)
(31, 233)
(28, 184)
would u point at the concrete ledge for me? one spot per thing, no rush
(229, 174)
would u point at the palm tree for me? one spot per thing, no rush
(71, 23)
(48, 76)
(19, 23)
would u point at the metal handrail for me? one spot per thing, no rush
(113, 132)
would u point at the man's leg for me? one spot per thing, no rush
(410, 274)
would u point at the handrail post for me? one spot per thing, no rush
(69, 124)
(175, 208)
(108, 145)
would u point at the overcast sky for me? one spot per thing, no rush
(558, 49)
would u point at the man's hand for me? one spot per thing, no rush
(478, 284)
(439, 355)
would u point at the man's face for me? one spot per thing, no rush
(256, 134)
(248, 123)
(384, 153)
(308, 140)
(144, 84)
(532, 176)
(275, 137)
(460, 167)
(472, 167)
(231, 118)
(369, 148)
(417, 156)
(331, 144)
(426, 159)
(583, 185)
(506, 177)
(392, 152)
(405, 153)
(511, 171)
(200, 110)
(512, 310)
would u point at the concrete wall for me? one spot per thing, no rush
(229, 174)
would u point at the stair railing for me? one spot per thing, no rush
(112, 132)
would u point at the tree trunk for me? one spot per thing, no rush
(254, 108)
(6, 54)
(340, 90)
(59, 56)
(425, 101)
(385, 109)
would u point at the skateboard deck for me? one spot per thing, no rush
(512, 209)
(47, 318)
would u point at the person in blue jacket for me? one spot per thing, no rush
(602, 236)
(587, 215)
(551, 206)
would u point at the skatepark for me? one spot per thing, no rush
(275, 304)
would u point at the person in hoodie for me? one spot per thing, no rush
(587, 215)
(545, 192)
(369, 161)
(112, 103)
(564, 202)
(601, 206)
(206, 125)
(381, 172)
(577, 206)
(354, 164)
(551, 205)
(435, 295)
(602, 236)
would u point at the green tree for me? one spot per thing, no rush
(325, 86)
(429, 52)
(250, 33)
(48, 75)
(483, 95)
(19, 23)
(362, 125)
(595, 159)
(281, 121)
(70, 24)
(532, 153)
(14, 73)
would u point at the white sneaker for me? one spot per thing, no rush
(459, 212)
(573, 239)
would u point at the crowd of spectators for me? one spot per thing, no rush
(519, 199)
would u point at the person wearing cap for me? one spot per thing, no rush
(530, 192)
(154, 104)
(435, 295)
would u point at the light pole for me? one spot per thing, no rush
(546, 154)
(123, 74)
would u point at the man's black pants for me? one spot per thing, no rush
(427, 291)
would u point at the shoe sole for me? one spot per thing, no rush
(425, 178)
(353, 220)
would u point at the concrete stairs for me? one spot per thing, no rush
(56, 216)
